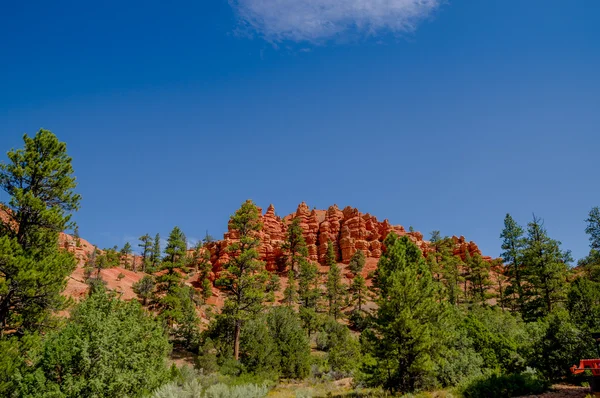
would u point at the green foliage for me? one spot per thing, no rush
(583, 303)
(358, 291)
(292, 345)
(144, 288)
(156, 251)
(177, 310)
(290, 294)
(593, 228)
(308, 285)
(512, 244)
(39, 179)
(406, 334)
(343, 350)
(108, 348)
(498, 337)
(294, 246)
(244, 277)
(505, 385)
(272, 344)
(30, 286)
(176, 247)
(334, 284)
(146, 246)
(546, 271)
(560, 344)
(40, 182)
(357, 262)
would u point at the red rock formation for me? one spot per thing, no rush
(349, 230)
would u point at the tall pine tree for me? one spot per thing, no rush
(512, 246)
(39, 179)
(334, 283)
(244, 277)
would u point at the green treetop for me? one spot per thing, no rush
(334, 283)
(403, 344)
(295, 246)
(146, 246)
(546, 268)
(512, 246)
(244, 277)
(39, 179)
(357, 262)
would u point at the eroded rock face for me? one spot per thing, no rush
(349, 230)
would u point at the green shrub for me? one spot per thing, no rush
(500, 385)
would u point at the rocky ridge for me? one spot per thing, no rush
(349, 230)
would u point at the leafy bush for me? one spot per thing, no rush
(511, 385)
(107, 348)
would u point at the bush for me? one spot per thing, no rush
(108, 348)
(500, 385)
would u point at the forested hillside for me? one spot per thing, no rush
(281, 305)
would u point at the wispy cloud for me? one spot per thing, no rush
(316, 21)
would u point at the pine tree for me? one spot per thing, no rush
(125, 252)
(308, 284)
(144, 288)
(593, 228)
(76, 236)
(244, 277)
(546, 270)
(512, 244)
(357, 262)
(290, 295)
(156, 252)
(403, 342)
(39, 179)
(591, 263)
(294, 246)
(358, 291)
(146, 245)
(334, 283)
(176, 248)
(479, 276)
(201, 261)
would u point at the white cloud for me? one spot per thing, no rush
(316, 21)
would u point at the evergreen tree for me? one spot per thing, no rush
(125, 252)
(402, 346)
(290, 296)
(358, 291)
(201, 261)
(334, 284)
(176, 248)
(546, 270)
(76, 236)
(512, 246)
(308, 285)
(156, 252)
(295, 246)
(40, 182)
(593, 228)
(357, 262)
(144, 288)
(146, 245)
(244, 277)
(591, 263)
(479, 276)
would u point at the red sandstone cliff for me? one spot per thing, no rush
(349, 230)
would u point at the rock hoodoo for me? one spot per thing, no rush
(349, 230)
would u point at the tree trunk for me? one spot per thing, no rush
(236, 341)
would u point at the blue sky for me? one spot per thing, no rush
(437, 114)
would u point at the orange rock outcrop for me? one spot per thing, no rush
(349, 230)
